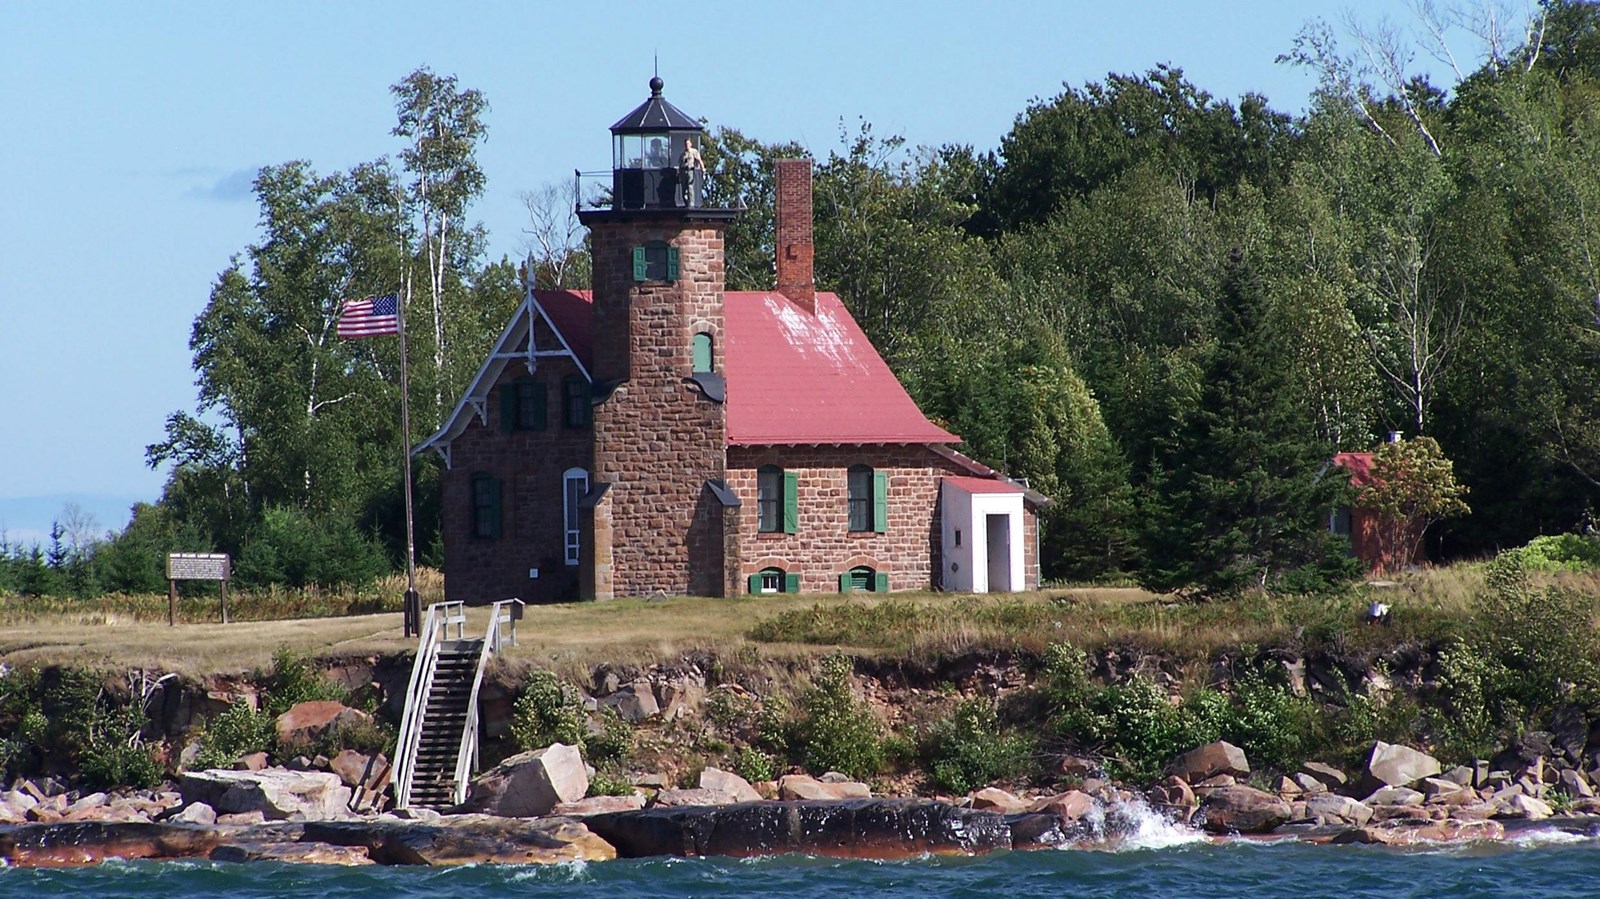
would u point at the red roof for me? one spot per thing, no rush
(793, 377)
(1358, 464)
(982, 485)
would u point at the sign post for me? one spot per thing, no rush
(196, 567)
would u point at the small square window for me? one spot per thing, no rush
(771, 582)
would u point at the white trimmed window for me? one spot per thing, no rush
(574, 484)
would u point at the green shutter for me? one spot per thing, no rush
(882, 584)
(494, 506)
(702, 352)
(508, 407)
(755, 582)
(641, 268)
(844, 582)
(539, 392)
(672, 263)
(791, 502)
(880, 502)
(791, 583)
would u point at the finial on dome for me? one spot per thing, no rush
(655, 86)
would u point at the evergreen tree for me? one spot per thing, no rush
(1239, 497)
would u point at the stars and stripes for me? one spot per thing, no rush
(370, 317)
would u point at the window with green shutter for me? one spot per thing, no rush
(769, 499)
(791, 502)
(863, 579)
(655, 261)
(774, 580)
(880, 502)
(522, 405)
(485, 505)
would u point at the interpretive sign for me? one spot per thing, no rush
(195, 567)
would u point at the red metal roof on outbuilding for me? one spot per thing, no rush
(982, 485)
(793, 377)
(1358, 464)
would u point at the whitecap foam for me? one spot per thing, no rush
(1129, 825)
(1547, 836)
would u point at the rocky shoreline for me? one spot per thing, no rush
(306, 817)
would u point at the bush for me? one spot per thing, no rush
(835, 732)
(606, 784)
(545, 714)
(294, 679)
(1561, 552)
(969, 749)
(754, 765)
(611, 743)
(288, 548)
(239, 730)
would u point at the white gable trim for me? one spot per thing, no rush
(476, 399)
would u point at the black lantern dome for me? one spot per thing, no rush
(655, 156)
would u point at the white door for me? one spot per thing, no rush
(998, 530)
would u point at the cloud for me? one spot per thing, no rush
(230, 188)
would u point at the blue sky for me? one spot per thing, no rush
(133, 132)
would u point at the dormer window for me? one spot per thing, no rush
(655, 261)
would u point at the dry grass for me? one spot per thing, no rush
(573, 638)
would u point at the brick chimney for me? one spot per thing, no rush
(795, 249)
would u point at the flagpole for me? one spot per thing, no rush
(413, 604)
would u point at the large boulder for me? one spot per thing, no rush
(467, 839)
(1391, 764)
(1335, 809)
(860, 828)
(801, 786)
(307, 722)
(276, 794)
(1210, 760)
(731, 785)
(530, 784)
(635, 702)
(1241, 809)
(1409, 833)
(1071, 805)
(994, 799)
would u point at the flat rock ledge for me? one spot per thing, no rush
(853, 828)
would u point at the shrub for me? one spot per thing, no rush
(294, 679)
(545, 714)
(1561, 552)
(1543, 640)
(237, 731)
(755, 765)
(969, 749)
(835, 732)
(606, 784)
(612, 742)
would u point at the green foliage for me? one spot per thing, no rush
(1139, 728)
(835, 732)
(612, 742)
(548, 712)
(755, 765)
(1561, 552)
(295, 678)
(237, 731)
(969, 749)
(63, 720)
(604, 783)
(545, 713)
(288, 548)
(1413, 485)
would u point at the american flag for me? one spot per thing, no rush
(370, 317)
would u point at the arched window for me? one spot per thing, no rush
(702, 353)
(774, 580)
(576, 409)
(574, 484)
(777, 500)
(485, 505)
(864, 579)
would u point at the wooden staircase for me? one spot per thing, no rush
(437, 749)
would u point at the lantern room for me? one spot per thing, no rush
(655, 157)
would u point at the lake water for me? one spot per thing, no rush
(1534, 865)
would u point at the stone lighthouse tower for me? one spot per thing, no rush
(658, 516)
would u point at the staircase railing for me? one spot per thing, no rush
(503, 616)
(435, 630)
